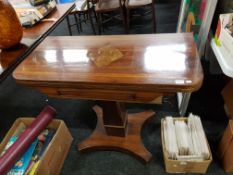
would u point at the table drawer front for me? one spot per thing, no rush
(99, 94)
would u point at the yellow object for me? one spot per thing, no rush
(190, 22)
(34, 167)
(217, 42)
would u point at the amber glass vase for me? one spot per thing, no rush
(11, 31)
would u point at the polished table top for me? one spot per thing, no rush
(151, 66)
(9, 59)
(152, 62)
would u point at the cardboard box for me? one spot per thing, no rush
(225, 149)
(56, 152)
(177, 166)
(223, 37)
(227, 94)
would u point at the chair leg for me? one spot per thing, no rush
(153, 16)
(68, 24)
(77, 22)
(91, 20)
(127, 20)
(96, 18)
(85, 16)
(95, 15)
(124, 20)
(99, 23)
(80, 21)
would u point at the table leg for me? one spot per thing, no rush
(114, 118)
(184, 103)
(118, 131)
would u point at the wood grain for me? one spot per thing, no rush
(153, 63)
(130, 144)
(102, 94)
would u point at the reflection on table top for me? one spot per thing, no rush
(162, 62)
(9, 59)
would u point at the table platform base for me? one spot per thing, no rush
(130, 144)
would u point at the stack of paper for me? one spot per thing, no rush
(170, 138)
(198, 136)
(182, 137)
(185, 140)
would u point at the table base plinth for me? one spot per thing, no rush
(130, 144)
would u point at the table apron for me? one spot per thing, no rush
(103, 94)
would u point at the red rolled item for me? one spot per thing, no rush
(17, 149)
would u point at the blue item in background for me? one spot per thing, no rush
(21, 165)
(65, 1)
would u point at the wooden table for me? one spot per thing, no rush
(9, 59)
(151, 66)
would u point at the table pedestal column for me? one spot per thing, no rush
(118, 131)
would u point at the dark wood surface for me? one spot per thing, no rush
(151, 65)
(130, 144)
(10, 58)
(116, 124)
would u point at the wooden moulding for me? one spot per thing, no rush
(104, 94)
(227, 94)
(225, 149)
(57, 150)
(176, 166)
